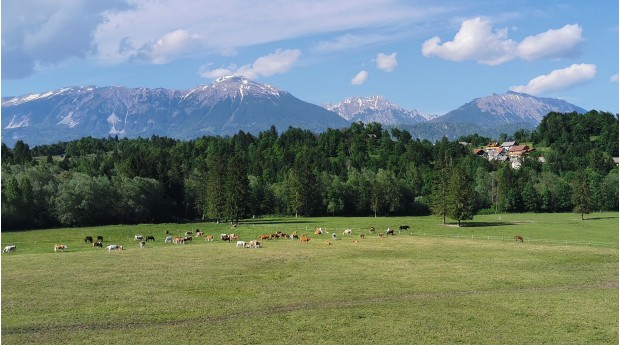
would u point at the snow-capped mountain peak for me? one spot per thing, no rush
(375, 109)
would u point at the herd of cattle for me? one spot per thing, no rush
(187, 238)
(142, 240)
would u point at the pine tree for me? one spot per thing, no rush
(460, 204)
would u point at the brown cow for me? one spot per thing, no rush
(209, 238)
(61, 247)
(304, 239)
(518, 238)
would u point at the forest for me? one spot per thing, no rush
(363, 170)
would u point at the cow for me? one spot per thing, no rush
(11, 248)
(254, 244)
(241, 244)
(61, 247)
(294, 236)
(187, 239)
(178, 240)
(168, 239)
(142, 244)
(318, 231)
(88, 239)
(209, 238)
(225, 237)
(327, 242)
(150, 238)
(138, 238)
(347, 232)
(114, 247)
(199, 233)
(518, 238)
(304, 239)
(333, 235)
(99, 238)
(234, 225)
(188, 233)
(362, 236)
(98, 244)
(372, 230)
(389, 232)
(403, 227)
(263, 237)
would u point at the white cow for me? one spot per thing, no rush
(114, 247)
(138, 238)
(347, 232)
(11, 248)
(241, 244)
(168, 239)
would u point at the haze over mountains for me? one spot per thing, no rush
(233, 104)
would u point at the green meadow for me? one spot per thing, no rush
(431, 284)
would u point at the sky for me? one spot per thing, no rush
(432, 56)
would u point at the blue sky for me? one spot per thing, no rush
(433, 56)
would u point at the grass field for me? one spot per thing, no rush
(423, 286)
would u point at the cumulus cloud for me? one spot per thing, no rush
(477, 40)
(359, 78)
(37, 34)
(560, 79)
(386, 63)
(564, 42)
(278, 62)
(170, 46)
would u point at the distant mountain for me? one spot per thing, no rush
(507, 109)
(228, 105)
(376, 109)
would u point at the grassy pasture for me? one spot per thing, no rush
(406, 289)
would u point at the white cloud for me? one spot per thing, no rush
(614, 78)
(359, 78)
(564, 42)
(560, 79)
(474, 41)
(349, 41)
(170, 46)
(478, 41)
(386, 63)
(278, 62)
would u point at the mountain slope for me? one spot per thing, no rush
(224, 107)
(508, 108)
(375, 109)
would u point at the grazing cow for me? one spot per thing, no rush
(88, 239)
(225, 237)
(8, 249)
(234, 225)
(150, 238)
(209, 238)
(99, 238)
(254, 244)
(381, 235)
(187, 239)
(294, 236)
(114, 247)
(188, 233)
(138, 238)
(304, 239)
(334, 236)
(199, 233)
(347, 232)
(168, 239)
(98, 244)
(354, 241)
(263, 237)
(142, 244)
(389, 232)
(61, 247)
(372, 230)
(233, 237)
(403, 227)
(318, 231)
(362, 236)
(178, 240)
(241, 244)
(518, 238)
(327, 242)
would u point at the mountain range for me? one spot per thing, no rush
(233, 104)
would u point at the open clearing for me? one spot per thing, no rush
(423, 286)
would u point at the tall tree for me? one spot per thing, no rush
(582, 194)
(460, 205)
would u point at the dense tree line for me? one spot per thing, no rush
(358, 171)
